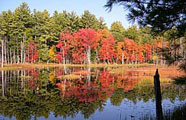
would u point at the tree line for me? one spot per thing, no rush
(65, 37)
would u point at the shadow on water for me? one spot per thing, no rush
(84, 93)
(180, 80)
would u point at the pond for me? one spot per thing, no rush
(108, 93)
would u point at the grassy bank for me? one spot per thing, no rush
(44, 65)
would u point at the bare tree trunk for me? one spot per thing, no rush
(10, 56)
(63, 57)
(175, 55)
(24, 52)
(89, 55)
(153, 54)
(14, 56)
(17, 53)
(5, 57)
(157, 59)
(122, 58)
(136, 58)
(2, 53)
(97, 57)
(161, 58)
(181, 48)
(21, 52)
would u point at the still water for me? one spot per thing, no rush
(89, 93)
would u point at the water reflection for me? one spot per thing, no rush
(79, 93)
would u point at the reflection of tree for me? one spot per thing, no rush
(78, 96)
(32, 82)
(117, 97)
(178, 113)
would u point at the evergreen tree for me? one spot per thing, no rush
(89, 20)
(117, 31)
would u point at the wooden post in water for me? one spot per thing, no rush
(157, 88)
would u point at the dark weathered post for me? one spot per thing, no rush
(157, 88)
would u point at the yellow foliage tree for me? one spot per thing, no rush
(51, 77)
(52, 54)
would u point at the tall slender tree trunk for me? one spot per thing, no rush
(21, 52)
(10, 56)
(122, 58)
(181, 48)
(2, 53)
(5, 55)
(24, 51)
(175, 54)
(97, 57)
(64, 57)
(153, 54)
(89, 55)
(136, 58)
(161, 58)
(17, 53)
(14, 56)
(133, 55)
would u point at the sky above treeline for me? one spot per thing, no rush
(96, 7)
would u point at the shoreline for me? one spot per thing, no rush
(44, 65)
(52, 65)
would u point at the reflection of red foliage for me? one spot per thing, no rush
(127, 81)
(59, 72)
(59, 85)
(83, 91)
(34, 73)
(88, 91)
(106, 79)
(32, 82)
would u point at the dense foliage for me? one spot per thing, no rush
(36, 36)
(164, 17)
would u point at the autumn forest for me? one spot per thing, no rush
(38, 37)
(76, 65)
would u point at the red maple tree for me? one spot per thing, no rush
(32, 52)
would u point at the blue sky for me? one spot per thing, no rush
(94, 6)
